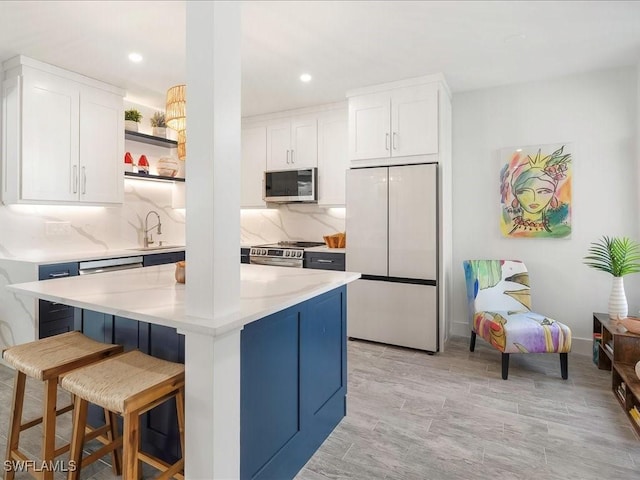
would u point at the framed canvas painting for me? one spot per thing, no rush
(535, 191)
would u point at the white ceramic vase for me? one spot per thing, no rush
(618, 307)
(160, 132)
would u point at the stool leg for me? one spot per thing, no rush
(16, 419)
(131, 446)
(116, 455)
(49, 425)
(180, 412)
(77, 436)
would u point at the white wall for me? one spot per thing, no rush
(597, 112)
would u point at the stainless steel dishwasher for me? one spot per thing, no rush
(109, 265)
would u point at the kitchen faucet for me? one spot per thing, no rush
(148, 239)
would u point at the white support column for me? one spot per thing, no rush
(213, 238)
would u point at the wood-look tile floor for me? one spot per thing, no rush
(450, 416)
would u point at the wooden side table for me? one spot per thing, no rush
(619, 352)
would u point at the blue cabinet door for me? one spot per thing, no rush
(292, 385)
(269, 403)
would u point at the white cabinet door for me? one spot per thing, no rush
(253, 165)
(369, 132)
(394, 313)
(50, 124)
(333, 161)
(414, 120)
(279, 145)
(413, 251)
(366, 222)
(304, 142)
(101, 146)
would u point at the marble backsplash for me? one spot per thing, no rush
(35, 229)
(26, 230)
(305, 222)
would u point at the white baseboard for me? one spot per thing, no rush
(579, 346)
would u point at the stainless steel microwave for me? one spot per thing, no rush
(285, 186)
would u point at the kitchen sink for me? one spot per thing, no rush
(156, 247)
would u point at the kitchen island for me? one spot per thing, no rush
(292, 372)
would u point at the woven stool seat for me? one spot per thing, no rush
(129, 384)
(115, 384)
(50, 357)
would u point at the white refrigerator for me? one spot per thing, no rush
(392, 240)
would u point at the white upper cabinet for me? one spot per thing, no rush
(369, 129)
(63, 136)
(253, 166)
(101, 141)
(333, 160)
(390, 123)
(292, 143)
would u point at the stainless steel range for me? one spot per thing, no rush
(281, 254)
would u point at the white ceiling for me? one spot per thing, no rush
(343, 44)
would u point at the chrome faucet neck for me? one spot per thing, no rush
(148, 239)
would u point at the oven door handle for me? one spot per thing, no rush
(275, 261)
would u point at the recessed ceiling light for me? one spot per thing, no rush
(305, 77)
(135, 57)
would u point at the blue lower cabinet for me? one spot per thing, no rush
(293, 385)
(158, 427)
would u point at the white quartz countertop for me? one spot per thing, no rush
(152, 295)
(39, 257)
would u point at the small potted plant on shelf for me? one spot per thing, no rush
(131, 119)
(159, 125)
(619, 257)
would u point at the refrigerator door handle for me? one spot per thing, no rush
(393, 141)
(386, 141)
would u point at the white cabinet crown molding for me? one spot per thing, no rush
(408, 82)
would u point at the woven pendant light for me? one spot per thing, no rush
(176, 116)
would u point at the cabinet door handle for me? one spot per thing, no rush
(292, 157)
(393, 140)
(59, 275)
(75, 179)
(386, 141)
(287, 156)
(84, 180)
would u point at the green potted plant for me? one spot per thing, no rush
(159, 125)
(131, 119)
(618, 256)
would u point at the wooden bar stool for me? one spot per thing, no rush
(129, 384)
(46, 360)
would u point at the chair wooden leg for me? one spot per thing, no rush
(77, 436)
(13, 439)
(180, 413)
(564, 365)
(131, 433)
(111, 419)
(472, 343)
(49, 425)
(505, 365)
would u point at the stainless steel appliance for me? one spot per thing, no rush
(284, 186)
(109, 265)
(392, 224)
(281, 254)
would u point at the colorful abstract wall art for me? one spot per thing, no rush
(535, 191)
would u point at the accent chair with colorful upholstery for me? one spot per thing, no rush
(499, 299)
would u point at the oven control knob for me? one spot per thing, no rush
(299, 254)
(264, 251)
(285, 253)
